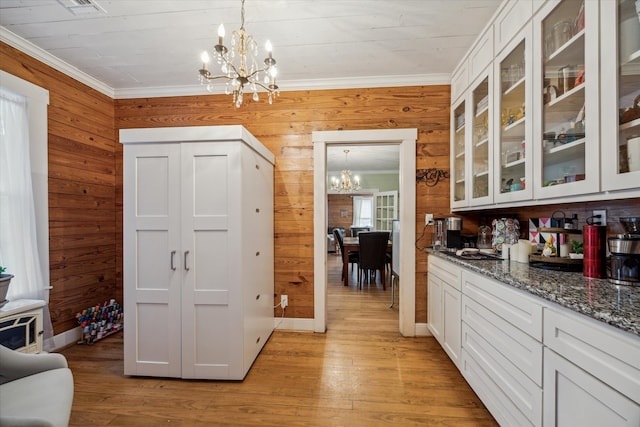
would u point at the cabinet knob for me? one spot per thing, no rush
(257, 166)
(257, 210)
(258, 340)
(257, 297)
(258, 253)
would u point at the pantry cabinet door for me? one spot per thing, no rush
(152, 270)
(211, 330)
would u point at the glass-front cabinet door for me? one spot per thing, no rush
(513, 141)
(620, 92)
(567, 161)
(458, 156)
(481, 163)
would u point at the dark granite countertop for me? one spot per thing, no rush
(599, 299)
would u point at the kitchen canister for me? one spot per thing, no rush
(594, 263)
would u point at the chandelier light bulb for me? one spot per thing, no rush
(205, 57)
(269, 48)
(221, 34)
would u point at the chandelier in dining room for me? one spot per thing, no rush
(346, 183)
(239, 66)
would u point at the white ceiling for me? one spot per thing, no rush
(138, 48)
(363, 159)
(142, 47)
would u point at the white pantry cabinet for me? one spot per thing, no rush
(198, 251)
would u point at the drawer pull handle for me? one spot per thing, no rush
(186, 265)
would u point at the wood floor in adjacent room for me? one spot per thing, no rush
(360, 373)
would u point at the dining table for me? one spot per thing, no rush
(351, 244)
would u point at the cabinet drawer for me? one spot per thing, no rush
(446, 271)
(511, 397)
(610, 355)
(520, 349)
(517, 308)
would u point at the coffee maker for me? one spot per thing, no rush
(624, 264)
(453, 239)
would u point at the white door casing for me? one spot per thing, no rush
(406, 138)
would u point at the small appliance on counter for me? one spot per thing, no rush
(453, 231)
(438, 233)
(594, 262)
(624, 264)
(484, 237)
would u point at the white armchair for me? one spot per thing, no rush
(35, 389)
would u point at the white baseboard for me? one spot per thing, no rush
(293, 324)
(306, 325)
(422, 330)
(72, 336)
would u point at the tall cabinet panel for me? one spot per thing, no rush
(481, 161)
(198, 276)
(151, 260)
(567, 97)
(458, 155)
(513, 158)
(620, 94)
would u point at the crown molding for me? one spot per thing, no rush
(45, 57)
(294, 85)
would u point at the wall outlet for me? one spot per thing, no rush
(428, 219)
(603, 217)
(284, 301)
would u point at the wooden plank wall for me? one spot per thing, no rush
(285, 128)
(336, 204)
(85, 174)
(82, 198)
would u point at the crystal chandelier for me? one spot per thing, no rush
(239, 66)
(345, 184)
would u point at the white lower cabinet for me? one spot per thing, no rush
(444, 301)
(501, 361)
(533, 363)
(591, 373)
(198, 251)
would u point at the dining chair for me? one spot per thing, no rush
(355, 231)
(373, 254)
(354, 257)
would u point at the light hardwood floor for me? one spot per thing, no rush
(360, 373)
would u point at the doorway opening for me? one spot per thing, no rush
(406, 139)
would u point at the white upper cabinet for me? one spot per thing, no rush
(513, 124)
(563, 106)
(566, 80)
(620, 94)
(458, 154)
(480, 147)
